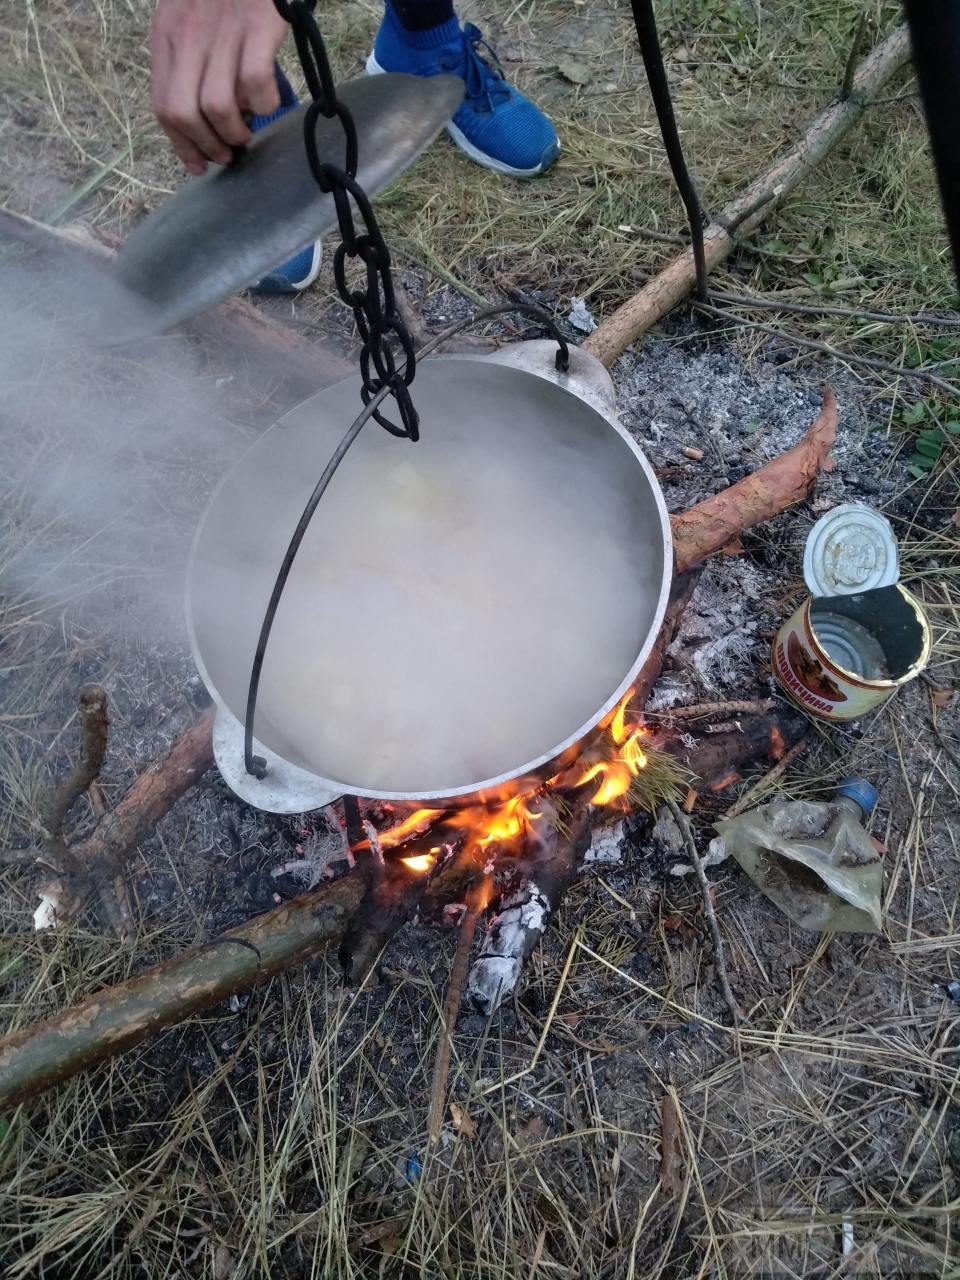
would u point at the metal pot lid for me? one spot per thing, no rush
(850, 549)
(225, 230)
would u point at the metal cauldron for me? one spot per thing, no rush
(511, 414)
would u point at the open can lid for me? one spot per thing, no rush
(850, 549)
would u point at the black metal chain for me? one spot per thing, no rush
(387, 358)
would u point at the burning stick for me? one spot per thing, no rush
(554, 849)
(116, 1018)
(396, 888)
(714, 757)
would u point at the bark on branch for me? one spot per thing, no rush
(788, 479)
(152, 794)
(116, 1018)
(94, 725)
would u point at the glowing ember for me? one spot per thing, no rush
(421, 863)
(727, 780)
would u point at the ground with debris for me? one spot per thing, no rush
(609, 1122)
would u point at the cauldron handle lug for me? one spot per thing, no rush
(585, 378)
(285, 788)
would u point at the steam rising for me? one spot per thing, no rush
(107, 456)
(459, 606)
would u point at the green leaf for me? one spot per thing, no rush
(752, 426)
(913, 414)
(918, 460)
(812, 278)
(918, 473)
(931, 447)
(953, 427)
(944, 348)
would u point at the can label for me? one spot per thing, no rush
(809, 675)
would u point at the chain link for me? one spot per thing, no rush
(386, 340)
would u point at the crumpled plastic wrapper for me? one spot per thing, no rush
(812, 859)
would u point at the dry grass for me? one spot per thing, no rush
(282, 1138)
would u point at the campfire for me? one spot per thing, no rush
(520, 854)
(506, 861)
(514, 852)
(505, 824)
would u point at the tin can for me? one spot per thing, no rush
(860, 635)
(841, 656)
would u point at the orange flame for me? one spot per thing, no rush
(418, 821)
(505, 823)
(618, 773)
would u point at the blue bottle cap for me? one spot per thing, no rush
(859, 789)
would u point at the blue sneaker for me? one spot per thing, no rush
(495, 125)
(302, 269)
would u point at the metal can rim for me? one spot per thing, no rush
(889, 682)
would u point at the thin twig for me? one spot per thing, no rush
(753, 303)
(870, 361)
(945, 746)
(94, 724)
(662, 237)
(477, 901)
(849, 71)
(671, 1179)
(410, 316)
(769, 778)
(720, 963)
(737, 707)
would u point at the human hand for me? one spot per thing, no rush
(211, 61)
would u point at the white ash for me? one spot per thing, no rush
(668, 836)
(606, 845)
(495, 971)
(742, 411)
(317, 853)
(492, 978)
(52, 896)
(673, 690)
(665, 830)
(580, 316)
(719, 632)
(716, 853)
